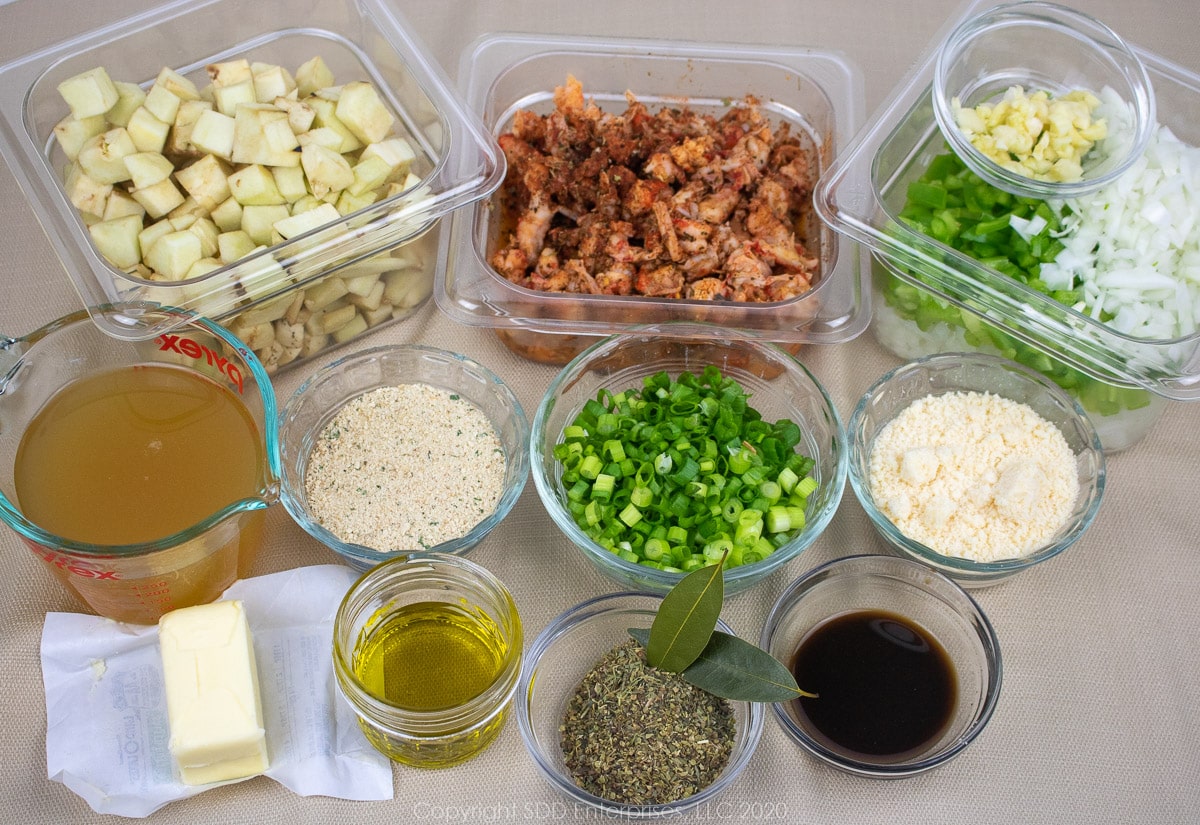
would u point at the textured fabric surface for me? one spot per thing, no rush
(1098, 720)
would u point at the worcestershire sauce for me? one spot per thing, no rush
(885, 687)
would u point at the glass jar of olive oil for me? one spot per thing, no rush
(427, 651)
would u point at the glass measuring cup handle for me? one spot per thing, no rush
(11, 350)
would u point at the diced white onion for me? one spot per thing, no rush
(1133, 247)
(1027, 229)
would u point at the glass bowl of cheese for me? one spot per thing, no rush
(974, 465)
(1041, 100)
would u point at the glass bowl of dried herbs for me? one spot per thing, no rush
(584, 675)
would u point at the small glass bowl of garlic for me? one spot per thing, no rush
(1041, 100)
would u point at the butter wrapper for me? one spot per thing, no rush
(106, 710)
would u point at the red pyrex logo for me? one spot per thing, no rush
(188, 347)
(72, 565)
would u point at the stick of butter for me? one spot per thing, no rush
(213, 701)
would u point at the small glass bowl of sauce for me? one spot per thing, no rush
(905, 665)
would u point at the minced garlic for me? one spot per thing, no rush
(404, 468)
(973, 475)
(1038, 136)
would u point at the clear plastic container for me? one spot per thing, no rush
(457, 161)
(818, 93)
(911, 326)
(862, 193)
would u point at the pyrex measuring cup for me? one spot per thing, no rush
(138, 582)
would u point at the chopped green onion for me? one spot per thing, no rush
(731, 510)
(740, 461)
(614, 449)
(788, 479)
(781, 519)
(592, 513)
(591, 467)
(655, 549)
(770, 490)
(678, 473)
(602, 488)
(806, 487)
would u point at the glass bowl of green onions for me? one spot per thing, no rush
(668, 449)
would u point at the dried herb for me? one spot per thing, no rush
(638, 735)
(683, 639)
(685, 619)
(734, 668)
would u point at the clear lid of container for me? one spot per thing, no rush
(862, 193)
(455, 160)
(817, 94)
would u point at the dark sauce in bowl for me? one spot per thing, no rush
(886, 689)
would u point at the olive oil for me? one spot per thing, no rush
(886, 689)
(427, 651)
(429, 656)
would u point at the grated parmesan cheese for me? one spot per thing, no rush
(973, 475)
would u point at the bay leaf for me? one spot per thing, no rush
(686, 618)
(735, 669)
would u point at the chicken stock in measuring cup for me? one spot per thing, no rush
(138, 472)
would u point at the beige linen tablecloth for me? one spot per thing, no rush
(1099, 718)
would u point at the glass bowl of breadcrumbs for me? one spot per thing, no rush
(402, 449)
(974, 465)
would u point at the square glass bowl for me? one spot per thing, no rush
(817, 93)
(861, 195)
(456, 161)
